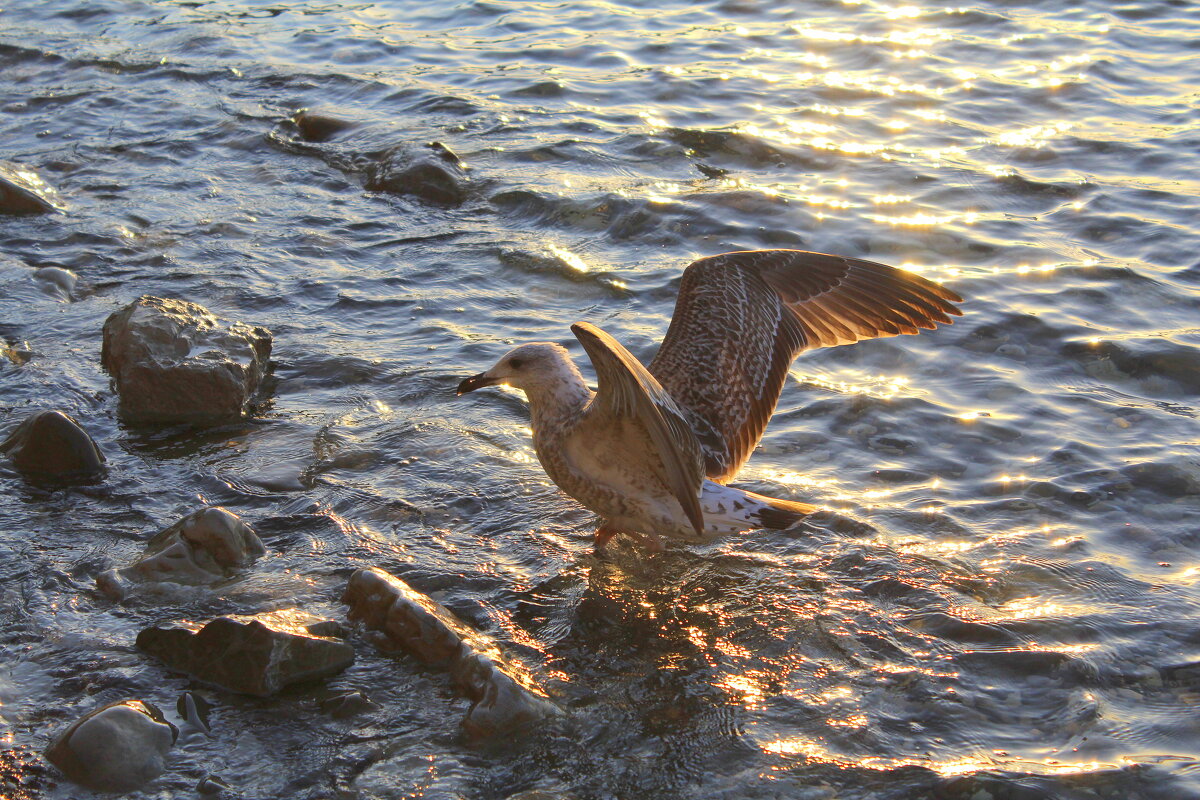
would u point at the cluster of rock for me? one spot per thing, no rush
(174, 362)
(123, 745)
(171, 362)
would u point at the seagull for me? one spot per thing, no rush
(652, 448)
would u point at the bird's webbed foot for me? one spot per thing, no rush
(606, 532)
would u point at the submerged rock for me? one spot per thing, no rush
(52, 445)
(174, 361)
(505, 695)
(22, 191)
(431, 178)
(56, 282)
(116, 748)
(347, 704)
(315, 127)
(205, 546)
(257, 655)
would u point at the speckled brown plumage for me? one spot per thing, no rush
(650, 450)
(741, 319)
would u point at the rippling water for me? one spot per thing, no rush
(1002, 596)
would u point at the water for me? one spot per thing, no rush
(1002, 595)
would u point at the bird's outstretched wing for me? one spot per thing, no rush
(626, 389)
(742, 317)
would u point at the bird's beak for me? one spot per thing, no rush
(475, 382)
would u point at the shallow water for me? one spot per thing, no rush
(1002, 594)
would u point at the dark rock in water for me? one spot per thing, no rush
(57, 282)
(193, 710)
(22, 191)
(256, 655)
(52, 445)
(430, 178)
(445, 153)
(319, 127)
(212, 785)
(116, 748)
(505, 695)
(205, 546)
(173, 361)
(17, 352)
(347, 704)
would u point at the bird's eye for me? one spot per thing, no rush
(515, 363)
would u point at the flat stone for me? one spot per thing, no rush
(251, 654)
(505, 695)
(174, 361)
(22, 191)
(52, 445)
(206, 546)
(116, 748)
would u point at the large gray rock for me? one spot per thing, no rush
(22, 191)
(173, 361)
(505, 695)
(206, 546)
(256, 655)
(116, 748)
(51, 445)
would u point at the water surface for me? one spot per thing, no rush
(1002, 592)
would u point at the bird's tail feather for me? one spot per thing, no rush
(780, 514)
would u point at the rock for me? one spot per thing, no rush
(347, 704)
(505, 695)
(116, 748)
(57, 282)
(173, 361)
(318, 127)
(256, 655)
(445, 153)
(212, 784)
(431, 178)
(207, 545)
(193, 714)
(22, 191)
(52, 445)
(17, 352)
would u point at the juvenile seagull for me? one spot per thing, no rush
(651, 449)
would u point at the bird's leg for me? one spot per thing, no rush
(606, 532)
(603, 534)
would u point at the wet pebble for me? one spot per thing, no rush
(116, 748)
(51, 445)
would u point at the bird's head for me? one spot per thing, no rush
(530, 367)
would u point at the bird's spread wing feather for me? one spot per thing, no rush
(741, 318)
(626, 389)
